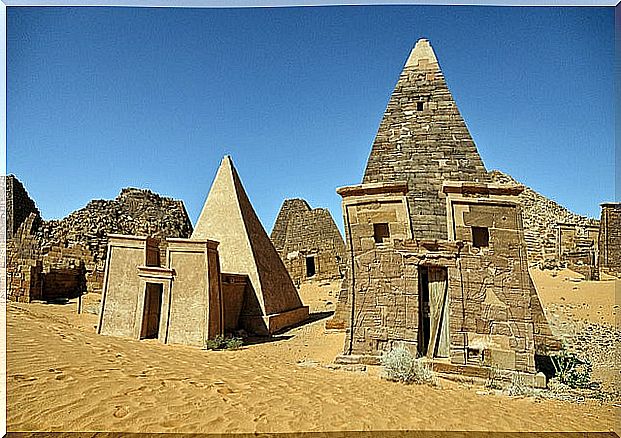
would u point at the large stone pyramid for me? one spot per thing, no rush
(245, 248)
(423, 140)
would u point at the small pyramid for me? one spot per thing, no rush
(289, 208)
(423, 140)
(245, 248)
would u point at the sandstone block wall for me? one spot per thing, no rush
(71, 252)
(302, 233)
(423, 140)
(610, 239)
(19, 205)
(494, 315)
(541, 217)
(23, 263)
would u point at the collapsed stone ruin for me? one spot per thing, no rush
(556, 237)
(308, 242)
(437, 259)
(66, 258)
(226, 276)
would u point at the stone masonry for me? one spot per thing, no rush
(67, 257)
(424, 139)
(610, 239)
(436, 253)
(134, 211)
(308, 242)
(542, 217)
(19, 205)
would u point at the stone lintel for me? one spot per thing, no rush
(430, 245)
(234, 278)
(373, 189)
(574, 224)
(180, 244)
(128, 241)
(155, 272)
(610, 205)
(466, 187)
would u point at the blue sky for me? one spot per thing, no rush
(103, 98)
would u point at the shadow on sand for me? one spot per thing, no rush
(281, 334)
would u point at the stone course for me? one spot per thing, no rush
(424, 141)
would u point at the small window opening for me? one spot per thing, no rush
(381, 233)
(475, 355)
(480, 237)
(310, 266)
(419, 106)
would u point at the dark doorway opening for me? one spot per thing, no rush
(151, 314)
(423, 294)
(310, 266)
(433, 335)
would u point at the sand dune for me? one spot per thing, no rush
(61, 375)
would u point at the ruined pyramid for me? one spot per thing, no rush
(423, 140)
(271, 300)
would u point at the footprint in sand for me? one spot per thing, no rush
(23, 378)
(121, 411)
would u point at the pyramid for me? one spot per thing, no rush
(245, 248)
(423, 140)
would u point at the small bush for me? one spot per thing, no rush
(494, 379)
(572, 370)
(401, 366)
(518, 386)
(216, 343)
(234, 343)
(223, 343)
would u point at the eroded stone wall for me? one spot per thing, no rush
(19, 205)
(306, 239)
(541, 217)
(23, 263)
(495, 316)
(67, 257)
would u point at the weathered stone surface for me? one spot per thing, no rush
(610, 239)
(437, 259)
(72, 251)
(19, 205)
(301, 233)
(245, 248)
(541, 217)
(423, 140)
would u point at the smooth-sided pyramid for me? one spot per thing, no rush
(423, 140)
(245, 248)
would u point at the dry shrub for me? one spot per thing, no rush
(401, 366)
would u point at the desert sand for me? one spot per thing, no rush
(62, 376)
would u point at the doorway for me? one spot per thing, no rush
(310, 266)
(433, 334)
(151, 314)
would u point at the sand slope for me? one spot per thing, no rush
(61, 375)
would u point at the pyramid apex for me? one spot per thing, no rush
(422, 56)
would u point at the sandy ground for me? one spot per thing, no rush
(594, 301)
(61, 375)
